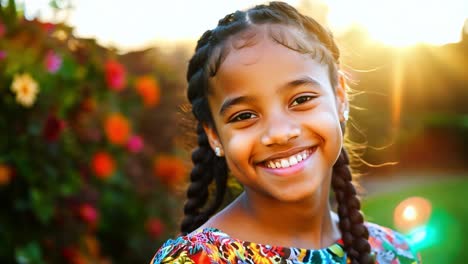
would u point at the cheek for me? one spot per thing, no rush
(238, 147)
(326, 125)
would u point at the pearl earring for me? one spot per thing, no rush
(218, 151)
(346, 114)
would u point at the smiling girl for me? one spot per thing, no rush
(271, 104)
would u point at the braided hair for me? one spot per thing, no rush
(208, 168)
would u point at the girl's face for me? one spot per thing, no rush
(277, 119)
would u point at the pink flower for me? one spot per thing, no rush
(52, 62)
(115, 75)
(3, 54)
(135, 144)
(88, 213)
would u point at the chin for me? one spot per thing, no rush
(298, 193)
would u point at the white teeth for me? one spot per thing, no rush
(284, 163)
(292, 161)
(271, 164)
(299, 158)
(288, 162)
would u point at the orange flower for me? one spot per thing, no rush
(148, 89)
(103, 165)
(92, 245)
(5, 174)
(170, 170)
(117, 129)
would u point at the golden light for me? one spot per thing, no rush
(411, 213)
(141, 22)
(402, 22)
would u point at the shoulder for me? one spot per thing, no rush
(389, 246)
(197, 247)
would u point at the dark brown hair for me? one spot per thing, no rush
(210, 51)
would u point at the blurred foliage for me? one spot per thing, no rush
(81, 174)
(445, 232)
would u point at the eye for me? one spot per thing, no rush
(302, 99)
(242, 116)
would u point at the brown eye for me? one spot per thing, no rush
(243, 116)
(302, 99)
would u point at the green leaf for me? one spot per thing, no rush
(42, 206)
(30, 253)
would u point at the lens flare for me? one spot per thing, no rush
(411, 213)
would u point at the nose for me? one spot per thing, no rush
(280, 131)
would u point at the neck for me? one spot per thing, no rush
(308, 223)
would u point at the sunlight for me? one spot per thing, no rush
(398, 72)
(142, 22)
(401, 22)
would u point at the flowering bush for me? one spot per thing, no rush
(76, 153)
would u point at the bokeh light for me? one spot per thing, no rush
(427, 226)
(411, 213)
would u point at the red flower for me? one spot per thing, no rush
(103, 165)
(148, 89)
(53, 128)
(154, 227)
(3, 29)
(115, 75)
(47, 27)
(117, 128)
(170, 170)
(73, 255)
(88, 213)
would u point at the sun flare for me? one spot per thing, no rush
(402, 22)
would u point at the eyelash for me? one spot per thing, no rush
(309, 97)
(238, 117)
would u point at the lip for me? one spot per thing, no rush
(292, 169)
(288, 153)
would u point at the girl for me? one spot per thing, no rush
(271, 104)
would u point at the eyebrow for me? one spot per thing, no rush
(228, 103)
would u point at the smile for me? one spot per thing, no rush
(290, 161)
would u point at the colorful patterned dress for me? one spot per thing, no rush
(211, 245)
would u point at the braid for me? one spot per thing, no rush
(354, 233)
(207, 166)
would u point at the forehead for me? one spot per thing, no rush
(267, 54)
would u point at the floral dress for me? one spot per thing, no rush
(211, 245)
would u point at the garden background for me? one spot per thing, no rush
(94, 155)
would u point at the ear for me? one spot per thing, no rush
(342, 102)
(214, 141)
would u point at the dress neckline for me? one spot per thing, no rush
(337, 247)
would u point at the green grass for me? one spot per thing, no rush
(446, 232)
